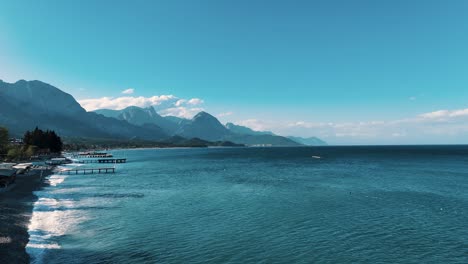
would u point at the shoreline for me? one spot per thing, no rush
(16, 207)
(144, 148)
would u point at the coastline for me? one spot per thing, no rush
(16, 206)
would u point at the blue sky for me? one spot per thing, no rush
(295, 67)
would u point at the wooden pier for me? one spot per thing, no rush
(102, 161)
(87, 171)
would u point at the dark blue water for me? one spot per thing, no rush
(261, 205)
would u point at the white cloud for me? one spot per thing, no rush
(443, 126)
(461, 112)
(443, 114)
(305, 124)
(257, 125)
(163, 104)
(180, 102)
(224, 114)
(195, 101)
(128, 91)
(184, 112)
(435, 114)
(192, 102)
(124, 101)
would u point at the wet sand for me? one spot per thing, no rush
(16, 207)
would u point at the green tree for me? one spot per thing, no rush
(30, 151)
(27, 138)
(43, 140)
(3, 140)
(54, 142)
(15, 153)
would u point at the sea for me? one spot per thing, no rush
(356, 204)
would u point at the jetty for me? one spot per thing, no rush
(93, 154)
(101, 161)
(87, 170)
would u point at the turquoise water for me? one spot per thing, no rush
(260, 205)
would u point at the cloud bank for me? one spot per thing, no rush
(163, 104)
(437, 127)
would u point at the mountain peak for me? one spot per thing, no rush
(152, 111)
(42, 96)
(204, 116)
(140, 116)
(132, 107)
(21, 81)
(201, 114)
(204, 126)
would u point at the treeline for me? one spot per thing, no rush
(3, 140)
(34, 142)
(43, 140)
(78, 144)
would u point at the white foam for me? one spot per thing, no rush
(55, 223)
(45, 246)
(71, 165)
(55, 179)
(54, 203)
(46, 226)
(52, 218)
(39, 237)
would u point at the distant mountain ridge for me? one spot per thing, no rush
(141, 116)
(204, 126)
(27, 104)
(246, 130)
(310, 141)
(39, 96)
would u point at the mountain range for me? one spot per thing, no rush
(27, 104)
(309, 141)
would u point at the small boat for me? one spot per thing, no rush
(58, 161)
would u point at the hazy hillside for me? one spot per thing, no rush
(140, 116)
(27, 104)
(266, 140)
(204, 126)
(245, 130)
(310, 141)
